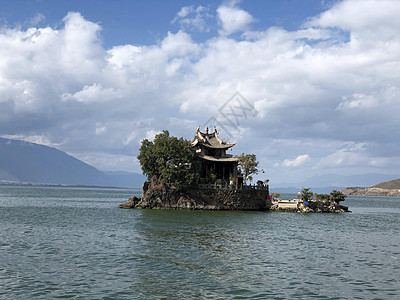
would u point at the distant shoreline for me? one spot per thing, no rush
(372, 191)
(65, 185)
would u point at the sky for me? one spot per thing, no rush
(310, 87)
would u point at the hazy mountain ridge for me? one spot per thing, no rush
(392, 184)
(387, 188)
(33, 163)
(295, 190)
(361, 180)
(24, 162)
(328, 182)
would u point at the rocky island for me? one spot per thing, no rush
(307, 202)
(199, 174)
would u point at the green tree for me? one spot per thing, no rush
(275, 195)
(337, 196)
(322, 197)
(247, 165)
(171, 159)
(306, 194)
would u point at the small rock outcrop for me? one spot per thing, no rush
(131, 203)
(314, 206)
(322, 207)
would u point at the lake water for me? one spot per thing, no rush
(64, 242)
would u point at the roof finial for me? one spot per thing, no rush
(198, 129)
(215, 130)
(207, 131)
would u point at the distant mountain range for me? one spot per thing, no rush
(24, 162)
(392, 184)
(387, 188)
(328, 182)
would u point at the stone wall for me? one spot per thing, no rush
(158, 195)
(285, 205)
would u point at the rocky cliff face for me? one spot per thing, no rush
(158, 195)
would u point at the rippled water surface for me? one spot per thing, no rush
(58, 242)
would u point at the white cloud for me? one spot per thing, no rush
(352, 154)
(80, 47)
(130, 138)
(151, 134)
(37, 139)
(387, 96)
(37, 19)
(183, 13)
(297, 162)
(100, 129)
(179, 44)
(313, 88)
(92, 93)
(356, 16)
(123, 56)
(193, 18)
(370, 23)
(110, 162)
(233, 19)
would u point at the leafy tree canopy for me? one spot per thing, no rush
(322, 196)
(306, 194)
(170, 159)
(337, 196)
(247, 165)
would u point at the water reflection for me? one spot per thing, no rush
(219, 255)
(203, 251)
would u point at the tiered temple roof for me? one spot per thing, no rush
(211, 147)
(210, 140)
(215, 163)
(220, 159)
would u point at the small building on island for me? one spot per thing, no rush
(215, 163)
(210, 180)
(217, 182)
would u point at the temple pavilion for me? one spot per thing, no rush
(214, 159)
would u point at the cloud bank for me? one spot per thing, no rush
(327, 91)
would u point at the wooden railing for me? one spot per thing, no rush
(234, 187)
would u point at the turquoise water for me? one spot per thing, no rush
(59, 242)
